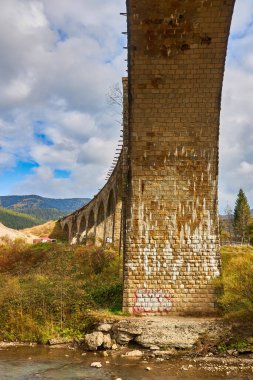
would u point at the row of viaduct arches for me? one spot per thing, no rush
(100, 220)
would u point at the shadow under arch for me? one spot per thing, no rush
(100, 228)
(91, 228)
(110, 212)
(66, 232)
(82, 228)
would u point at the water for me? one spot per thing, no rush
(37, 363)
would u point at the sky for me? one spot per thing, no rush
(58, 61)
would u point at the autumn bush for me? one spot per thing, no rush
(48, 290)
(236, 282)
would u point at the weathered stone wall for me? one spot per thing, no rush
(176, 62)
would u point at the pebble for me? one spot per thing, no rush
(84, 354)
(114, 346)
(148, 368)
(96, 365)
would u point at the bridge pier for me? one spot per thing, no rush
(177, 53)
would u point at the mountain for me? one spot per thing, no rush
(18, 221)
(37, 209)
(21, 202)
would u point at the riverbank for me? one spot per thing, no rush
(65, 363)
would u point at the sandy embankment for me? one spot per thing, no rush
(15, 234)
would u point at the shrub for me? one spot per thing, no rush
(237, 283)
(48, 290)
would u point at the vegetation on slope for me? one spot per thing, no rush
(44, 214)
(236, 282)
(19, 202)
(49, 290)
(15, 220)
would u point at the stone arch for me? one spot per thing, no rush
(91, 227)
(82, 227)
(100, 228)
(110, 209)
(74, 232)
(110, 203)
(66, 234)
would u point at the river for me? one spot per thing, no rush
(42, 362)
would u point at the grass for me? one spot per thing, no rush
(52, 290)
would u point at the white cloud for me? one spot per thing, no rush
(58, 60)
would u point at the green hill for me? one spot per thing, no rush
(24, 202)
(44, 214)
(37, 209)
(17, 221)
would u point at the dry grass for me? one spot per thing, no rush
(237, 249)
(42, 230)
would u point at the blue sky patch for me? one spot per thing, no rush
(43, 138)
(60, 173)
(10, 177)
(63, 36)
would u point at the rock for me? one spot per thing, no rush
(123, 338)
(105, 327)
(134, 353)
(96, 364)
(104, 353)
(114, 346)
(148, 369)
(154, 348)
(56, 341)
(232, 352)
(94, 340)
(84, 354)
(170, 352)
(107, 341)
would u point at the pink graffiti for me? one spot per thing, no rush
(152, 301)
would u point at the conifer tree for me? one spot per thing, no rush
(242, 216)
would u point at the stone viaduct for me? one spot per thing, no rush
(167, 174)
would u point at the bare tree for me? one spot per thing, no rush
(115, 98)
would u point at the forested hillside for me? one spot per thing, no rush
(23, 202)
(17, 221)
(37, 209)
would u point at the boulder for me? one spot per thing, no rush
(94, 340)
(107, 342)
(122, 337)
(105, 327)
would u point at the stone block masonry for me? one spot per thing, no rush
(177, 53)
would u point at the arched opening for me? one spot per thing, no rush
(91, 230)
(65, 236)
(74, 234)
(110, 209)
(82, 228)
(100, 228)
